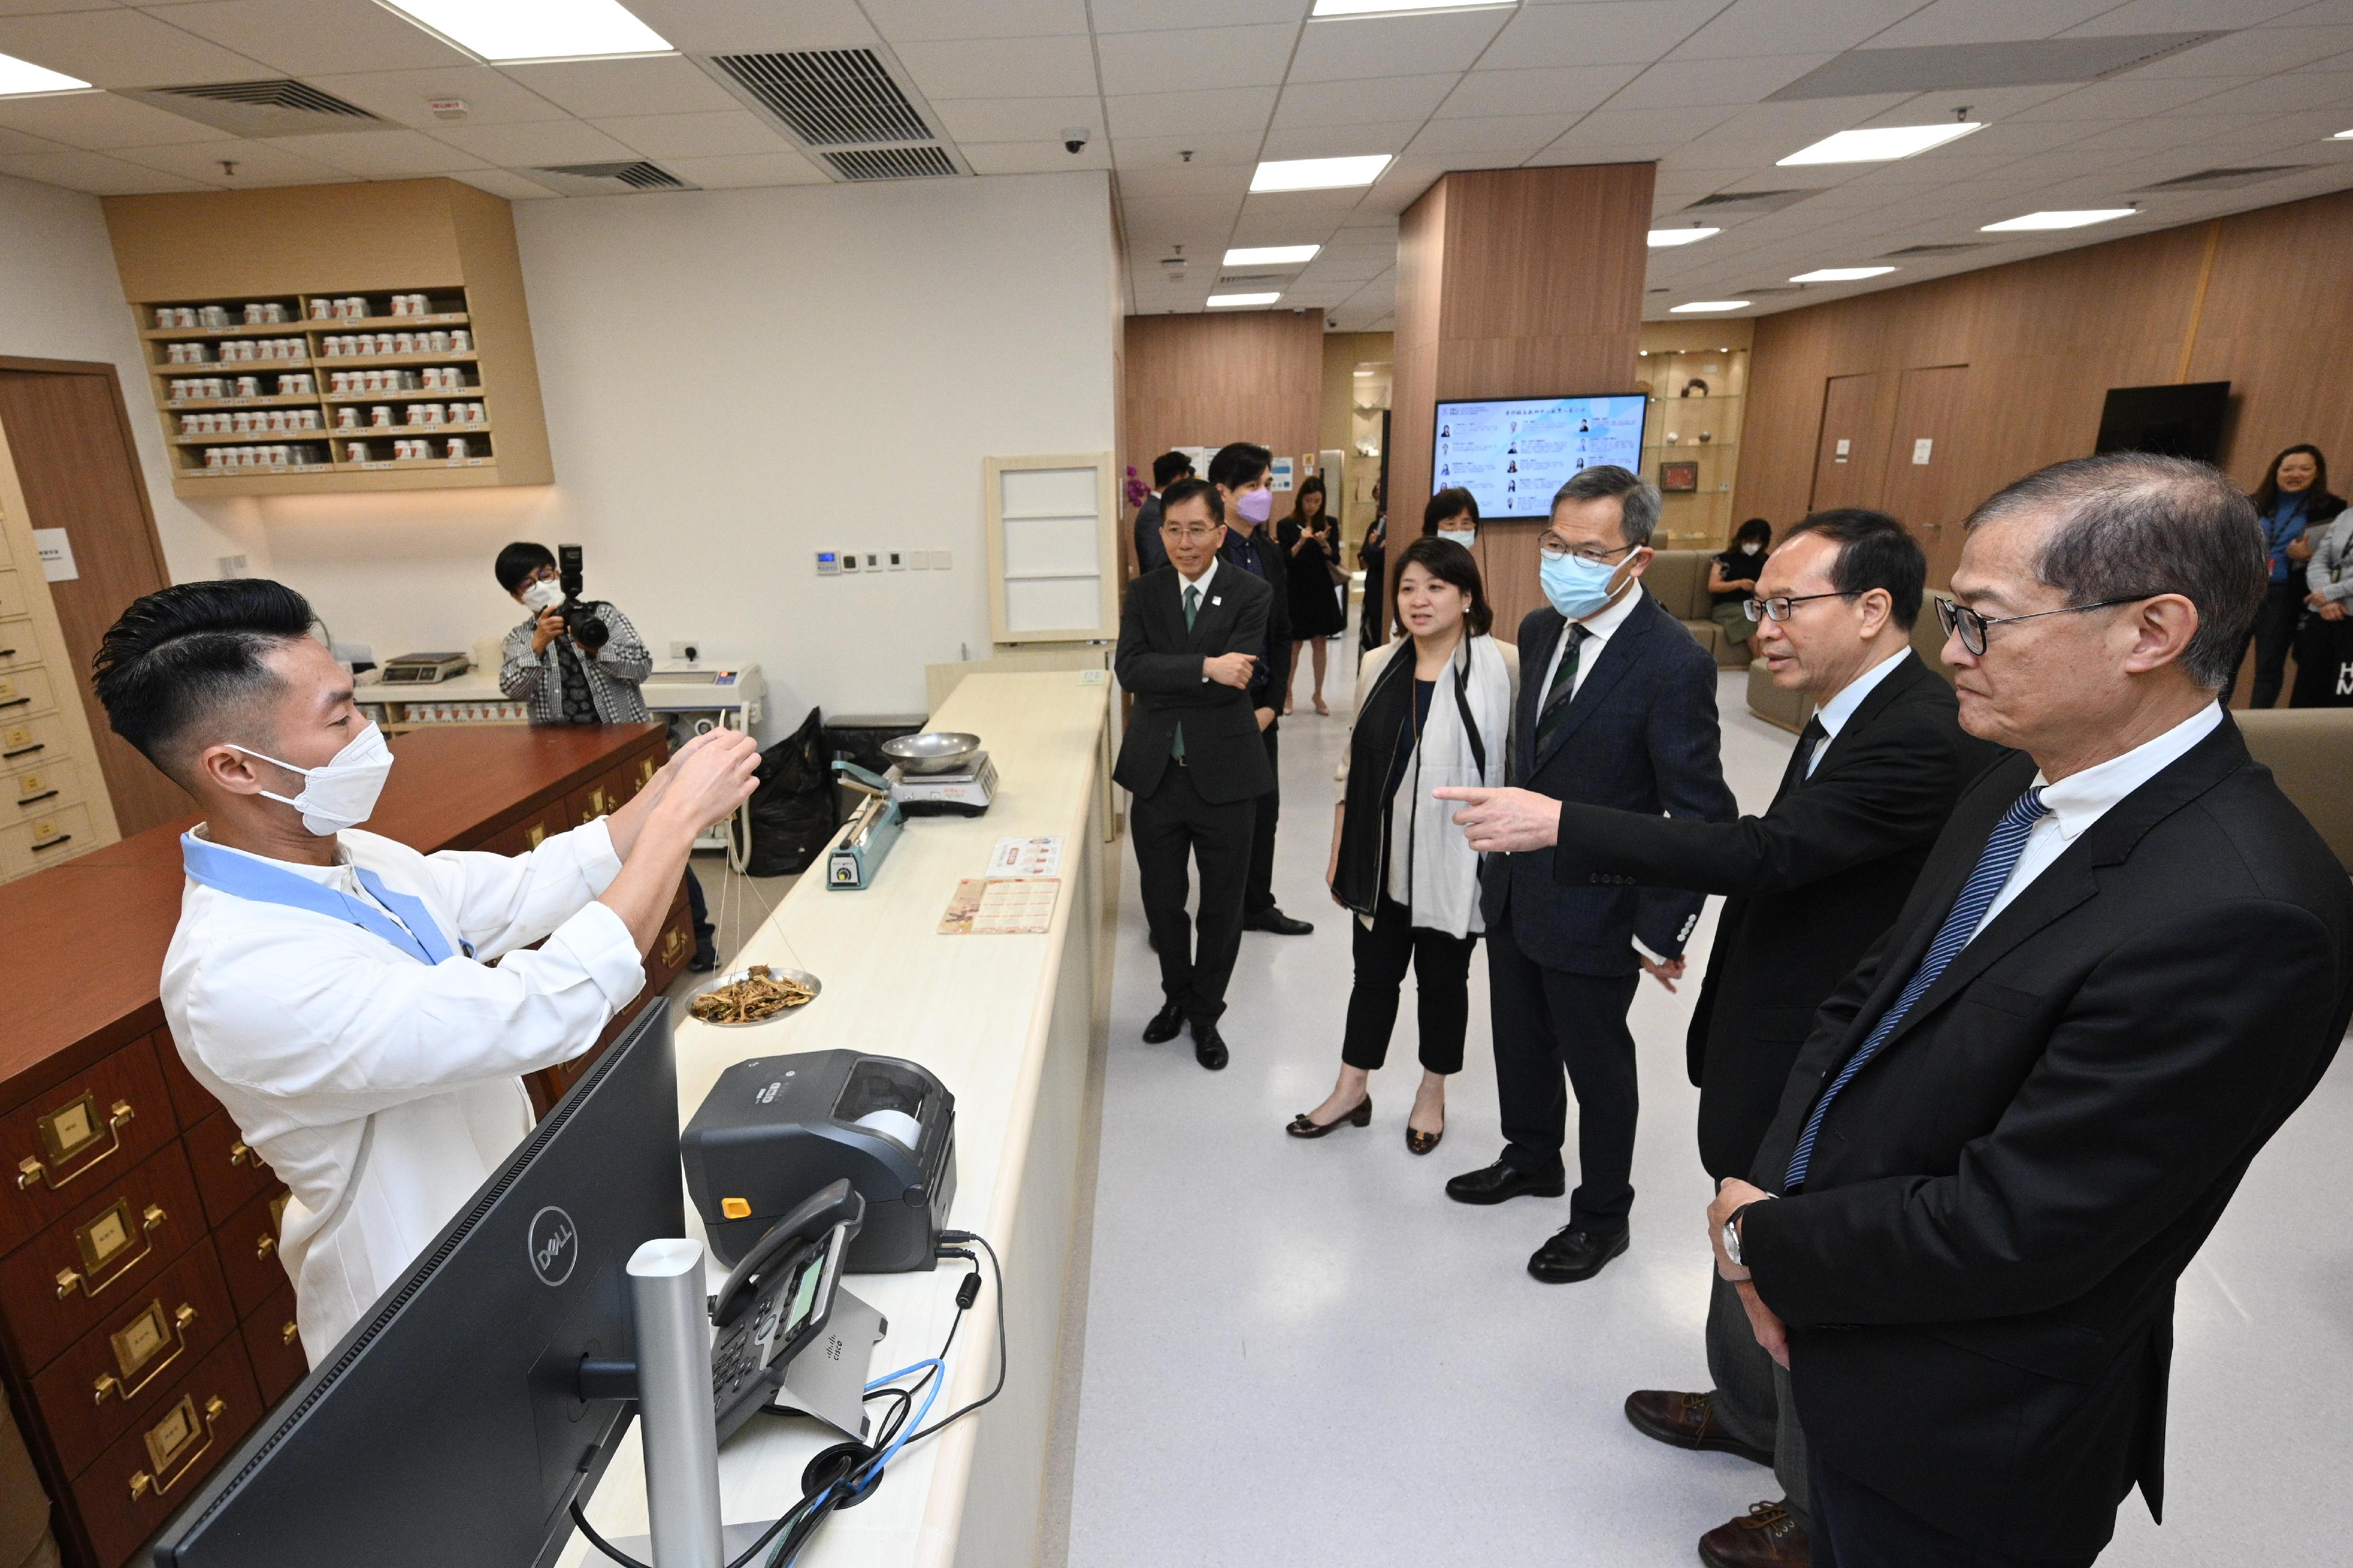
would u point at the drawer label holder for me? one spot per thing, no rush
(148, 1343)
(70, 1137)
(175, 1443)
(106, 1245)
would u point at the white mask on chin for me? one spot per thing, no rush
(342, 791)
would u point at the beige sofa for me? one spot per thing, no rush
(1678, 580)
(1790, 710)
(2310, 752)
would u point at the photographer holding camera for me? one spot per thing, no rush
(579, 661)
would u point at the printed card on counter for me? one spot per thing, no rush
(1014, 906)
(1027, 858)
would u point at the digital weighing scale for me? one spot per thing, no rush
(965, 792)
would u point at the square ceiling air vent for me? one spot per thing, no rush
(2226, 179)
(282, 107)
(1748, 201)
(2027, 62)
(892, 163)
(607, 179)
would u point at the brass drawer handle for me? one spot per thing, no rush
(70, 1280)
(674, 943)
(33, 1168)
(263, 1246)
(174, 1439)
(109, 1383)
(290, 1333)
(241, 1154)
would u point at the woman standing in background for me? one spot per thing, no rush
(1311, 549)
(1371, 628)
(2293, 496)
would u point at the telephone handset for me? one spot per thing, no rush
(776, 1300)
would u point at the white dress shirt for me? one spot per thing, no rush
(2078, 800)
(1597, 628)
(382, 1089)
(1833, 714)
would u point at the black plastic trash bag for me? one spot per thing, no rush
(792, 808)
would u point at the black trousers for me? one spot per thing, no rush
(1854, 1527)
(696, 908)
(1442, 984)
(1168, 826)
(1546, 1020)
(2274, 634)
(1260, 896)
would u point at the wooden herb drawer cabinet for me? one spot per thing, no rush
(147, 1320)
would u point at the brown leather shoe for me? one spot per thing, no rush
(1686, 1421)
(1765, 1537)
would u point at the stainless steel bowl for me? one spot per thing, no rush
(932, 752)
(802, 976)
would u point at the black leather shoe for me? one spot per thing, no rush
(705, 958)
(1499, 1182)
(1210, 1046)
(1164, 1025)
(1575, 1254)
(1271, 919)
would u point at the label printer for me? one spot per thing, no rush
(776, 1129)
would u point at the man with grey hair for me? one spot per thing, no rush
(1617, 709)
(2124, 964)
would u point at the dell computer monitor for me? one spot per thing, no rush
(2183, 421)
(447, 1427)
(1514, 453)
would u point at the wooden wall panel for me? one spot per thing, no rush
(1229, 375)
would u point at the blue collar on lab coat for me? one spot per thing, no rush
(250, 877)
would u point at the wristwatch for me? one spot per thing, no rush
(1732, 1235)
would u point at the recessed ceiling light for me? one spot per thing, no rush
(535, 29)
(1319, 173)
(1663, 237)
(1403, 7)
(1879, 144)
(1221, 301)
(1272, 255)
(1698, 305)
(1839, 274)
(2063, 218)
(19, 79)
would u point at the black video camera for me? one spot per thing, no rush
(588, 629)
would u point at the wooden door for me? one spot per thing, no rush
(1851, 457)
(1921, 461)
(71, 437)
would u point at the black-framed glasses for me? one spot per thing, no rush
(1778, 608)
(1971, 627)
(1553, 549)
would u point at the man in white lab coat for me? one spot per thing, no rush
(365, 1011)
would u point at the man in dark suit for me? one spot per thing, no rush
(1812, 884)
(1151, 555)
(1617, 707)
(2124, 964)
(1243, 474)
(1189, 641)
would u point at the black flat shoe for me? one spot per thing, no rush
(1210, 1046)
(1575, 1254)
(1275, 922)
(1303, 1126)
(1164, 1025)
(1499, 1182)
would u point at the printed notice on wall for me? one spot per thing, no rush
(1920, 450)
(57, 554)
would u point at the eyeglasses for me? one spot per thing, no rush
(1187, 535)
(1778, 609)
(1972, 627)
(1553, 549)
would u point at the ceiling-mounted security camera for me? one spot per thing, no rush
(1074, 139)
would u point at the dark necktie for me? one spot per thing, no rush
(1562, 689)
(2003, 846)
(1192, 608)
(1801, 760)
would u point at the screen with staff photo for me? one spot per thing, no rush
(1515, 453)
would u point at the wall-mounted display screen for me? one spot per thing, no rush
(1514, 453)
(2183, 421)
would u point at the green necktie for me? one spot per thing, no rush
(1192, 608)
(1563, 688)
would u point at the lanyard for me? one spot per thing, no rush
(249, 877)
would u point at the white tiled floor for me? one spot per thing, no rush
(1302, 1353)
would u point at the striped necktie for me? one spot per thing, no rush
(2002, 849)
(1563, 690)
(1192, 608)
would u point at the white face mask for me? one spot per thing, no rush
(343, 792)
(1464, 537)
(543, 596)
(1751, 548)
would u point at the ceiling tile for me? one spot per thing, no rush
(728, 134)
(1141, 152)
(2181, 15)
(1988, 21)
(2279, 94)
(298, 37)
(1514, 134)
(100, 120)
(1687, 84)
(1340, 140)
(1017, 119)
(257, 164)
(1002, 67)
(2257, 51)
(1347, 49)
(746, 171)
(1625, 133)
(95, 172)
(657, 84)
(1031, 157)
(1749, 27)
(123, 49)
(908, 21)
(1211, 111)
(1558, 89)
(2128, 98)
(498, 182)
(1149, 15)
(401, 97)
(377, 154)
(1364, 102)
(1231, 57)
(734, 26)
(1195, 181)
(1619, 33)
(550, 143)
(28, 7)
(17, 141)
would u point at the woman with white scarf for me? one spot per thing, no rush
(1432, 707)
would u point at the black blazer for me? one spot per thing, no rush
(1160, 662)
(1150, 554)
(1979, 1273)
(1639, 736)
(1812, 884)
(1274, 677)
